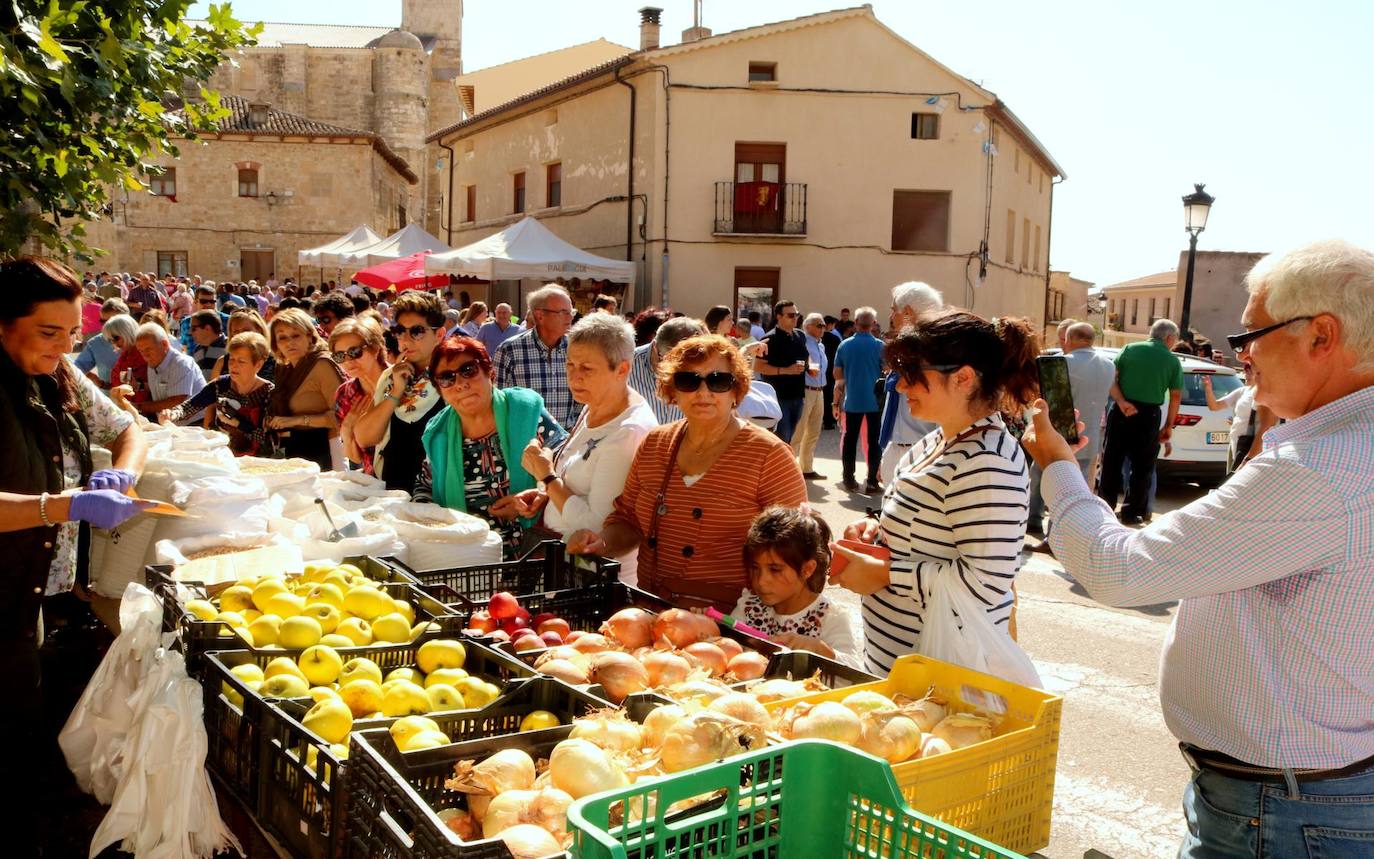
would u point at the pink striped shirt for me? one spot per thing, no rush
(1271, 656)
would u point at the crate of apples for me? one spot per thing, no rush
(504, 619)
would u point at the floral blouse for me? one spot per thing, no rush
(349, 395)
(821, 619)
(250, 436)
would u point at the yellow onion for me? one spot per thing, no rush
(742, 706)
(506, 810)
(612, 730)
(932, 745)
(698, 692)
(563, 651)
(708, 655)
(527, 841)
(665, 668)
(926, 713)
(581, 768)
(681, 627)
(591, 642)
(565, 670)
(963, 729)
(749, 665)
(828, 720)
(620, 674)
(703, 737)
(657, 723)
(868, 701)
(632, 627)
(777, 689)
(889, 735)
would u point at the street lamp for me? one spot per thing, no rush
(1196, 206)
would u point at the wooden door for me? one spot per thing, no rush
(760, 176)
(256, 265)
(756, 289)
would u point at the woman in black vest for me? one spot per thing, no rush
(50, 415)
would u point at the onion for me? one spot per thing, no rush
(666, 668)
(565, 670)
(681, 627)
(867, 701)
(549, 811)
(562, 651)
(462, 824)
(728, 646)
(632, 627)
(508, 769)
(477, 805)
(710, 656)
(610, 729)
(889, 735)
(591, 643)
(926, 713)
(742, 706)
(704, 737)
(777, 689)
(698, 692)
(657, 723)
(828, 720)
(932, 745)
(748, 665)
(963, 729)
(527, 841)
(620, 674)
(581, 768)
(506, 810)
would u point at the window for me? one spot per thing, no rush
(763, 72)
(1011, 237)
(1036, 266)
(925, 126)
(248, 182)
(1194, 394)
(1025, 242)
(920, 220)
(1017, 160)
(400, 216)
(164, 184)
(1167, 302)
(1042, 182)
(470, 211)
(1152, 316)
(756, 289)
(171, 262)
(519, 186)
(553, 184)
(1135, 310)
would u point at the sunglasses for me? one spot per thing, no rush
(717, 382)
(206, 302)
(352, 353)
(914, 371)
(414, 332)
(324, 320)
(790, 315)
(468, 371)
(1238, 342)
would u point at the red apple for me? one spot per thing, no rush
(482, 621)
(513, 625)
(528, 642)
(539, 619)
(555, 625)
(573, 636)
(499, 635)
(523, 632)
(550, 638)
(521, 612)
(503, 605)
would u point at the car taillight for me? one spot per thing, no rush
(1186, 420)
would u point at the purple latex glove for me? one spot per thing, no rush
(112, 478)
(105, 508)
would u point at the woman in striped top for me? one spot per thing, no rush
(960, 495)
(696, 484)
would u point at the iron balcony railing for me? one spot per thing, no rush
(760, 208)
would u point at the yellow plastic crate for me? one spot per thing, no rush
(1002, 789)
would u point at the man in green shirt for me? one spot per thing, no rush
(1146, 374)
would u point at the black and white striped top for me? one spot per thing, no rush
(966, 508)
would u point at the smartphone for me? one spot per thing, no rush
(1055, 390)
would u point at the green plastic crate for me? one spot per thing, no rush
(808, 798)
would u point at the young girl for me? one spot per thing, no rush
(787, 559)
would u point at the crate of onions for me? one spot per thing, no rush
(975, 751)
(627, 641)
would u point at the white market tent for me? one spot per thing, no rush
(327, 254)
(528, 250)
(411, 239)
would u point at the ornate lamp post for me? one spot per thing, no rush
(1196, 206)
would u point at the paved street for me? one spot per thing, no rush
(1120, 778)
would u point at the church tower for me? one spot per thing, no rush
(439, 25)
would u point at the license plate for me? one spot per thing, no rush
(1218, 438)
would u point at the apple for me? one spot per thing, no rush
(357, 630)
(285, 686)
(392, 628)
(283, 605)
(574, 636)
(319, 693)
(326, 615)
(503, 605)
(363, 697)
(360, 668)
(512, 625)
(408, 726)
(335, 639)
(541, 617)
(322, 592)
(550, 638)
(321, 664)
(282, 665)
(264, 591)
(248, 672)
(236, 598)
(299, 632)
(202, 609)
(499, 635)
(406, 610)
(528, 642)
(448, 676)
(405, 699)
(368, 603)
(538, 719)
(405, 674)
(265, 630)
(477, 692)
(425, 740)
(330, 719)
(440, 653)
(444, 697)
(482, 621)
(553, 624)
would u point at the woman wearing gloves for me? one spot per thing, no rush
(50, 415)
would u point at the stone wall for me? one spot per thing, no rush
(333, 85)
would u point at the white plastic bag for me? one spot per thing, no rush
(280, 473)
(957, 630)
(310, 531)
(253, 555)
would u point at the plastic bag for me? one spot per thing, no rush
(280, 473)
(957, 630)
(248, 555)
(310, 531)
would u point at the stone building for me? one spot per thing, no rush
(821, 159)
(1067, 299)
(1133, 306)
(1219, 294)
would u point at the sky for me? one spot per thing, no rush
(1265, 101)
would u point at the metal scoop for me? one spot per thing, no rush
(349, 530)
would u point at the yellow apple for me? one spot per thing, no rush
(326, 615)
(360, 668)
(285, 686)
(339, 750)
(337, 578)
(406, 610)
(282, 665)
(321, 664)
(357, 630)
(202, 609)
(538, 719)
(335, 639)
(446, 676)
(232, 618)
(363, 697)
(265, 629)
(248, 672)
(422, 627)
(368, 602)
(440, 653)
(444, 697)
(352, 570)
(236, 598)
(264, 591)
(405, 699)
(313, 571)
(392, 628)
(299, 632)
(319, 693)
(408, 726)
(250, 615)
(324, 592)
(330, 719)
(425, 740)
(284, 605)
(477, 692)
(406, 674)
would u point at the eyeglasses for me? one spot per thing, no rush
(352, 353)
(324, 320)
(414, 332)
(790, 315)
(206, 302)
(912, 371)
(1239, 342)
(468, 370)
(718, 382)
(555, 312)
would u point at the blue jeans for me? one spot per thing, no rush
(1327, 819)
(791, 416)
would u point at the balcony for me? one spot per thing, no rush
(760, 209)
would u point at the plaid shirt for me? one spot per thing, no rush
(1271, 657)
(644, 380)
(524, 361)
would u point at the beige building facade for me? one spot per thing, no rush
(1067, 298)
(821, 160)
(1219, 294)
(1132, 306)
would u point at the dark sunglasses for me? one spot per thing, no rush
(1238, 342)
(469, 371)
(352, 353)
(415, 332)
(718, 382)
(324, 320)
(206, 302)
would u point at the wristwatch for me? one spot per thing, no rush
(548, 478)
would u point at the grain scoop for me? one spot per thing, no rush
(336, 534)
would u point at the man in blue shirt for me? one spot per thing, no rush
(858, 364)
(808, 430)
(496, 331)
(98, 357)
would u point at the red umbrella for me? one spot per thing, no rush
(404, 273)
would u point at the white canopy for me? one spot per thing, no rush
(409, 240)
(327, 254)
(527, 250)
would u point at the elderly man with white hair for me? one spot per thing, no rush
(173, 377)
(808, 431)
(1267, 677)
(900, 429)
(537, 359)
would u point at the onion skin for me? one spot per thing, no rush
(658, 723)
(527, 841)
(963, 729)
(506, 810)
(666, 668)
(932, 745)
(581, 768)
(890, 736)
(591, 642)
(745, 707)
(828, 720)
(710, 656)
(620, 674)
(778, 689)
(704, 737)
(631, 627)
(681, 627)
(565, 670)
(748, 665)
(728, 646)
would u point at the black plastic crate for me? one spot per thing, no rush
(302, 804)
(548, 567)
(199, 637)
(801, 664)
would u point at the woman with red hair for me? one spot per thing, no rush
(473, 447)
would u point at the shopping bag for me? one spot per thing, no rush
(957, 630)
